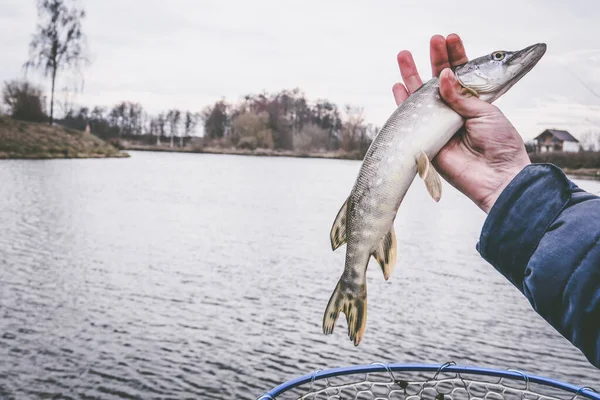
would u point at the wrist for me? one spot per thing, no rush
(506, 176)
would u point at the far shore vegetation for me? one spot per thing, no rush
(268, 123)
(277, 124)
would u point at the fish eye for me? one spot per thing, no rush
(498, 55)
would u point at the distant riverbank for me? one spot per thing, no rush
(28, 140)
(581, 164)
(593, 173)
(341, 155)
(583, 172)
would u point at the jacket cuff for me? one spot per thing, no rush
(521, 216)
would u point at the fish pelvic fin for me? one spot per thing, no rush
(430, 176)
(338, 230)
(385, 254)
(352, 301)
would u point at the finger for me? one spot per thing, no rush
(438, 54)
(400, 93)
(456, 50)
(408, 70)
(459, 99)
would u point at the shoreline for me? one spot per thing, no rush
(334, 155)
(58, 156)
(587, 173)
(582, 173)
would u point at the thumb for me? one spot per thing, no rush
(459, 99)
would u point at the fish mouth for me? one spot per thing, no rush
(519, 64)
(524, 60)
(529, 56)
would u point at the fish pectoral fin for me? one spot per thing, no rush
(432, 179)
(385, 254)
(338, 230)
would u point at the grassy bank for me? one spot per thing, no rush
(593, 173)
(27, 140)
(341, 155)
(572, 161)
(583, 164)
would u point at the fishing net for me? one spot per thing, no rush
(426, 382)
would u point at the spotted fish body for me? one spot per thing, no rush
(403, 148)
(424, 123)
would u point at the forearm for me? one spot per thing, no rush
(543, 235)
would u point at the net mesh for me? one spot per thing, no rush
(419, 385)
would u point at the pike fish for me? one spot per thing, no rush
(403, 148)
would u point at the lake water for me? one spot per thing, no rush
(206, 276)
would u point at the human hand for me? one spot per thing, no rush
(488, 152)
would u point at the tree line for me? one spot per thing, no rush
(129, 120)
(284, 120)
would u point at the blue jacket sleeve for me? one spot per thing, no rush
(543, 235)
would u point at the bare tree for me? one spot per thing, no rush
(173, 118)
(251, 127)
(160, 127)
(116, 117)
(153, 129)
(589, 141)
(353, 130)
(145, 124)
(58, 42)
(190, 123)
(135, 119)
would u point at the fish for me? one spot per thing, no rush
(402, 149)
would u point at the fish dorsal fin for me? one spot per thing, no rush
(338, 230)
(432, 179)
(385, 254)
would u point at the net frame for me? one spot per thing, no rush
(438, 374)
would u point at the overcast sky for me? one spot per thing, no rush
(189, 53)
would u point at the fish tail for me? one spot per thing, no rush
(352, 301)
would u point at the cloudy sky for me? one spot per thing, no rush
(189, 53)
